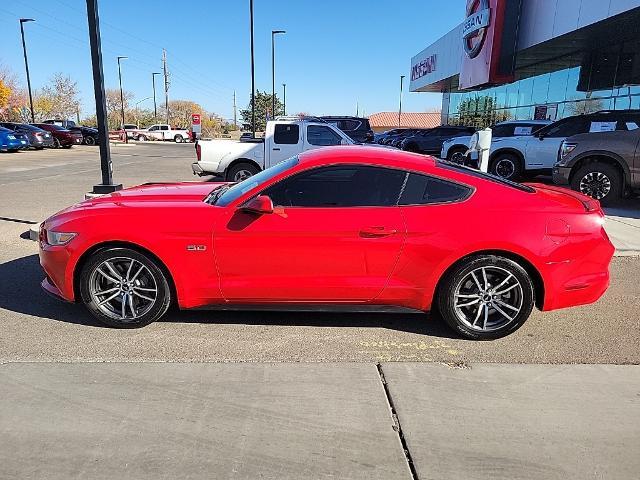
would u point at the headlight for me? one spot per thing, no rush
(59, 238)
(11, 137)
(566, 149)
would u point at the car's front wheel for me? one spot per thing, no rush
(457, 155)
(178, 138)
(141, 138)
(124, 288)
(600, 181)
(88, 140)
(486, 297)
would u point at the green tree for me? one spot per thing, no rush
(263, 105)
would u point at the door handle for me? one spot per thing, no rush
(276, 149)
(375, 232)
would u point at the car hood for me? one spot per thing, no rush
(160, 192)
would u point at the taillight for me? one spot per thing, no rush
(198, 151)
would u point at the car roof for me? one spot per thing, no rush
(366, 155)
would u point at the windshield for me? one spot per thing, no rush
(223, 196)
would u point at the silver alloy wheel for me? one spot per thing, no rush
(458, 157)
(142, 138)
(178, 139)
(242, 174)
(505, 168)
(488, 298)
(123, 288)
(595, 184)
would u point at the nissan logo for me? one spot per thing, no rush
(474, 28)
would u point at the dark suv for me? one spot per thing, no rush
(430, 141)
(357, 128)
(603, 165)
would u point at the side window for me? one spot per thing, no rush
(153, 128)
(286, 133)
(164, 127)
(423, 190)
(322, 136)
(339, 186)
(571, 126)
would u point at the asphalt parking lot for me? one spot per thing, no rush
(38, 328)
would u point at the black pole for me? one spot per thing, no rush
(107, 185)
(253, 76)
(155, 107)
(273, 71)
(26, 64)
(400, 106)
(284, 98)
(122, 100)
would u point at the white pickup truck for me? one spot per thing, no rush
(284, 138)
(161, 131)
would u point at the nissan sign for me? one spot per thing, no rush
(474, 28)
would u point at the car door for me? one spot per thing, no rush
(321, 136)
(541, 151)
(335, 235)
(285, 142)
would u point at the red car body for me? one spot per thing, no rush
(66, 138)
(393, 255)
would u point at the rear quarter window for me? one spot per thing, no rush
(425, 190)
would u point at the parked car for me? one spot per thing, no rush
(296, 234)
(237, 160)
(61, 136)
(89, 135)
(11, 141)
(454, 149)
(131, 130)
(38, 138)
(605, 165)
(357, 128)
(162, 131)
(381, 137)
(398, 133)
(430, 141)
(61, 123)
(512, 157)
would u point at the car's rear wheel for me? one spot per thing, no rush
(241, 171)
(411, 147)
(600, 181)
(141, 138)
(178, 138)
(506, 165)
(89, 140)
(56, 143)
(486, 297)
(124, 288)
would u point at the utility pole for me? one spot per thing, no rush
(273, 71)
(235, 111)
(107, 185)
(253, 74)
(166, 82)
(155, 106)
(400, 107)
(26, 64)
(122, 99)
(357, 109)
(284, 98)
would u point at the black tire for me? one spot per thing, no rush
(178, 139)
(506, 165)
(240, 171)
(56, 143)
(141, 138)
(600, 181)
(411, 147)
(457, 155)
(67, 146)
(89, 141)
(458, 279)
(152, 276)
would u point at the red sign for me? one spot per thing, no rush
(195, 119)
(489, 36)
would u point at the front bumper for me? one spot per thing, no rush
(57, 265)
(561, 175)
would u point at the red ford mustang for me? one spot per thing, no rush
(343, 225)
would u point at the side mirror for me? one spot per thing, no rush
(261, 205)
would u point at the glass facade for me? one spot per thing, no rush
(554, 95)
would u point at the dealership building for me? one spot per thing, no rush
(542, 59)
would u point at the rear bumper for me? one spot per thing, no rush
(582, 280)
(197, 169)
(561, 175)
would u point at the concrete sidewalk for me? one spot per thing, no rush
(623, 227)
(299, 421)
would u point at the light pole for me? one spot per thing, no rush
(273, 71)
(284, 98)
(155, 107)
(122, 97)
(253, 75)
(136, 108)
(400, 106)
(26, 64)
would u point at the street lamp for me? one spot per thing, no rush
(284, 98)
(253, 74)
(400, 107)
(26, 64)
(121, 96)
(136, 109)
(273, 71)
(155, 107)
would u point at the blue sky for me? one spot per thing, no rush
(334, 54)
